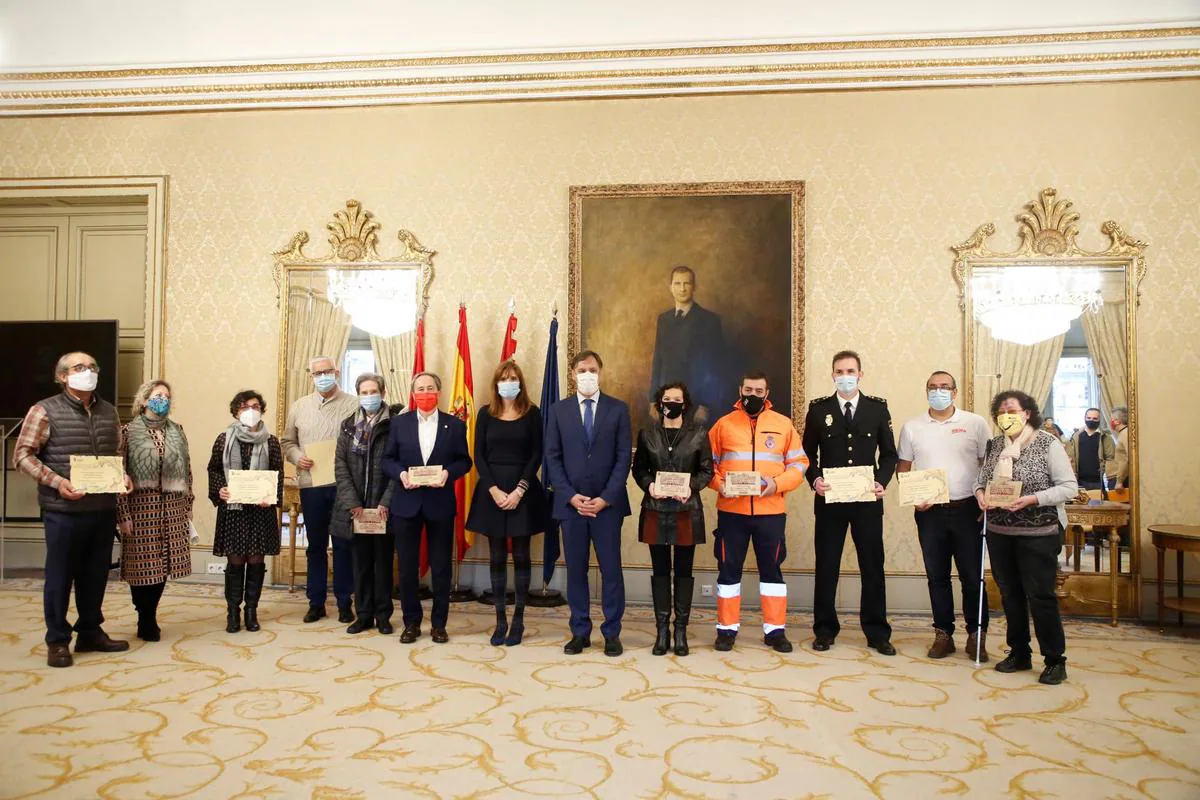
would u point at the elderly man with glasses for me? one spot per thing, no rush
(80, 527)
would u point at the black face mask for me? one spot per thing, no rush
(753, 404)
(671, 409)
(1092, 424)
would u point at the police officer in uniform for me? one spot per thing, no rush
(849, 429)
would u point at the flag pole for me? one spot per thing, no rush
(546, 597)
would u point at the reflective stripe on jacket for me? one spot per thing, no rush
(767, 444)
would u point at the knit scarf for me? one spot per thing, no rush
(1012, 451)
(237, 433)
(143, 463)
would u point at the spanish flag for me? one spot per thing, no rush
(463, 407)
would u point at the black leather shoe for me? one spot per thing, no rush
(1015, 663)
(345, 614)
(314, 613)
(778, 642)
(1054, 674)
(410, 634)
(99, 642)
(725, 640)
(439, 636)
(822, 643)
(576, 645)
(612, 647)
(361, 624)
(59, 655)
(385, 627)
(884, 647)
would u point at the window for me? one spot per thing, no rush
(359, 358)
(1074, 391)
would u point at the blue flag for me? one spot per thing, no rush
(550, 396)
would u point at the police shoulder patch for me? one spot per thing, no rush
(817, 400)
(876, 399)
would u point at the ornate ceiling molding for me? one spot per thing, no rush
(1049, 57)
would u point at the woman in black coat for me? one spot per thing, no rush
(362, 486)
(509, 504)
(676, 443)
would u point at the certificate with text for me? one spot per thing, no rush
(430, 475)
(1002, 492)
(919, 487)
(673, 484)
(370, 521)
(743, 484)
(253, 486)
(849, 484)
(98, 474)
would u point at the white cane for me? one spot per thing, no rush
(982, 591)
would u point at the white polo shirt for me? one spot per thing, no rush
(954, 445)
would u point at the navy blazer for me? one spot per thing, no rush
(404, 450)
(599, 471)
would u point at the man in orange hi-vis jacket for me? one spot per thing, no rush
(753, 439)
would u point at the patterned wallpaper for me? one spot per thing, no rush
(893, 179)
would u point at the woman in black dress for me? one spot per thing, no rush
(509, 504)
(245, 534)
(676, 443)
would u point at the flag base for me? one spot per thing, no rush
(546, 598)
(488, 598)
(458, 595)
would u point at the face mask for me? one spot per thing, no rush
(83, 381)
(325, 382)
(508, 389)
(588, 383)
(1010, 424)
(940, 399)
(425, 401)
(753, 404)
(370, 402)
(159, 405)
(846, 384)
(1092, 424)
(671, 409)
(250, 417)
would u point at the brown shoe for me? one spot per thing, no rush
(99, 642)
(59, 655)
(410, 634)
(439, 636)
(982, 644)
(943, 645)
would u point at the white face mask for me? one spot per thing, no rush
(83, 381)
(250, 417)
(588, 383)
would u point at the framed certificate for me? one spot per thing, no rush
(675, 484)
(1001, 492)
(370, 522)
(253, 486)
(921, 486)
(98, 474)
(849, 484)
(743, 484)
(429, 475)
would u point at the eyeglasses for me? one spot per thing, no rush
(245, 406)
(78, 368)
(323, 372)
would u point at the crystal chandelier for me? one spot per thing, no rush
(381, 302)
(1030, 304)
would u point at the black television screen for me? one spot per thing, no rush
(30, 350)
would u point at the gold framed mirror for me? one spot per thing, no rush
(1059, 322)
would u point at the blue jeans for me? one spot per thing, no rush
(317, 505)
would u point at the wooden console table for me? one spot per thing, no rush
(1181, 539)
(291, 503)
(1100, 516)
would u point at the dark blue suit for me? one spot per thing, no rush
(599, 470)
(432, 509)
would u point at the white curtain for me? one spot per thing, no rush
(1004, 365)
(1105, 333)
(316, 327)
(394, 361)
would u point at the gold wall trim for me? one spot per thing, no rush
(1071, 37)
(571, 77)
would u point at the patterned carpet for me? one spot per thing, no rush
(307, 711)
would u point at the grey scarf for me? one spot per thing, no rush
(237, 433)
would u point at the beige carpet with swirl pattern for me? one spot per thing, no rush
(307, 711)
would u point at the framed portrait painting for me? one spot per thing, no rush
(696, 283)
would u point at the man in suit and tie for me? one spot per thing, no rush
(425, 437)
(848, 429)
(689, 347)
(588, 453)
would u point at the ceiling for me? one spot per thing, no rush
(78, 56)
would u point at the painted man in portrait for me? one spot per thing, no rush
(689, 346)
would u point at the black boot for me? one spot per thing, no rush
(235, 584)
(145, 600)
(254, 584)
(660, 590)
(683, 613)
